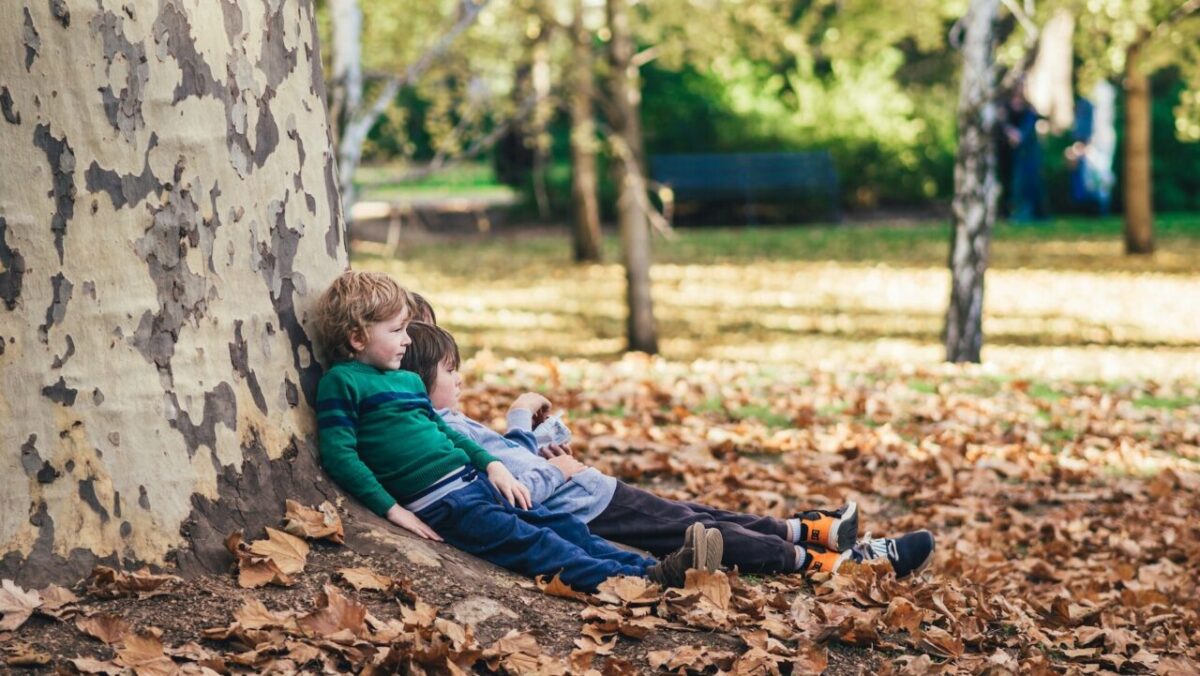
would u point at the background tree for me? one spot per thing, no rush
(975, 187)
(585, 202)
(169, 211)
(1132, 41)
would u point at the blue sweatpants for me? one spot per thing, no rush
(533, 542)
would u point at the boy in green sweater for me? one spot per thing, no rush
(381, 441)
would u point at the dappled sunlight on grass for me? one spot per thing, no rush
(1095, 319)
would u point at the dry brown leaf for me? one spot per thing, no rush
(108, 628)
(254, 570)
(940, 642)
(306, 522)
(87, 665)
(287, 551)
(810, 658)
(335, 612)
(16, 605)
(365, 578)
(58, 602)
(420, 615)
(712, 586)
(109, 583)
(556, 587)
(254, 615)
(628, 590)
(143, 652)
(25, 656)
(902, 614)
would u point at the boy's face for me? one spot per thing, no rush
(384, 344)
(445, 387)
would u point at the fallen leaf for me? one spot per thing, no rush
(335, 612)
(87, 665)
(287, 551)
(628, 590)
(365, 578)
(306, 522)
(108, 628)
(556, 587)
(143, 652)
(713, 586)
(109, 583)
(16, 605)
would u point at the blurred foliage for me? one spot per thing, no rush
(873, 83)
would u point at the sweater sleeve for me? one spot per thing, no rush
(479, 457)
(337, 436)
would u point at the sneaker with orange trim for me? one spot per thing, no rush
(835, 530)
(821, 560)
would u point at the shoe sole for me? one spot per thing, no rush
(928, 559)
(844, 533)
(695, 536)
(714, 549)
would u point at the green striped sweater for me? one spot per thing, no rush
(380, 439)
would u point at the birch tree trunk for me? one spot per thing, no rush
(1136, 183)
(632, 220)
(975, 188)
(347, 85)
(585, 205)
(168, 214)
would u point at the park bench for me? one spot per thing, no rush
(796, 181)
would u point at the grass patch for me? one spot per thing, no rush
(922, 386)
(763, 414)
(1166, 403)
(1044, 392)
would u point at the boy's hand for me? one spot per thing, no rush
(568, 465)
(553, 450)
(409, 521)
(514, 491)
(532, 401)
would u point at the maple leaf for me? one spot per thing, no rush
(713, 586)
(556, 587)
(628, 590)
(16, 605)
(143, 653)
(335, 612)
(307, 522)
(365, 578)
(109, 583)
(103, 626)
(287, 551)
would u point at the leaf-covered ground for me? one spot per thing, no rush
(802, 369)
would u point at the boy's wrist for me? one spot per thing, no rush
(520, 419)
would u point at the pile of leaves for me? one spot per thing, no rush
(1063, 513)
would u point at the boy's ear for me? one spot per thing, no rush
(357, 339)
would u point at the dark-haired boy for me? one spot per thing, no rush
(810, 542)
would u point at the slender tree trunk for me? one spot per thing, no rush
(347, 85)
(632, 220)
(538, 137)
(168, 213)
(585, 205)
(1137, 186)
(975, 188)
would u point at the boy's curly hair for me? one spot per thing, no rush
(421, 310)
(431, 345)
(353, 302)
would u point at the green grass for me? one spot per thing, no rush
(922, 386)
(1166, 403)
(383, 182)
(1044, 392)
(1068, 244)
(763, 414)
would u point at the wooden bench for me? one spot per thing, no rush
(797, 179)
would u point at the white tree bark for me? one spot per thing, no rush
(347, 19)
(168, 214)
(975, 187)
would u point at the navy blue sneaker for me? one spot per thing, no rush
(910, 553)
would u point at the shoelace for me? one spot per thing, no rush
(866, 548)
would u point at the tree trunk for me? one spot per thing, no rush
(585, 205)
(170, 211)
(975, 188)
(1137, 187)
(632, 219)
(347, 85)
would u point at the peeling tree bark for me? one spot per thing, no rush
(975, 188)
(632, 219)
(168, 214)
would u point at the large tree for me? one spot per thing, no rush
(169, 211)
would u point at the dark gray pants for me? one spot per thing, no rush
(638, 518)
